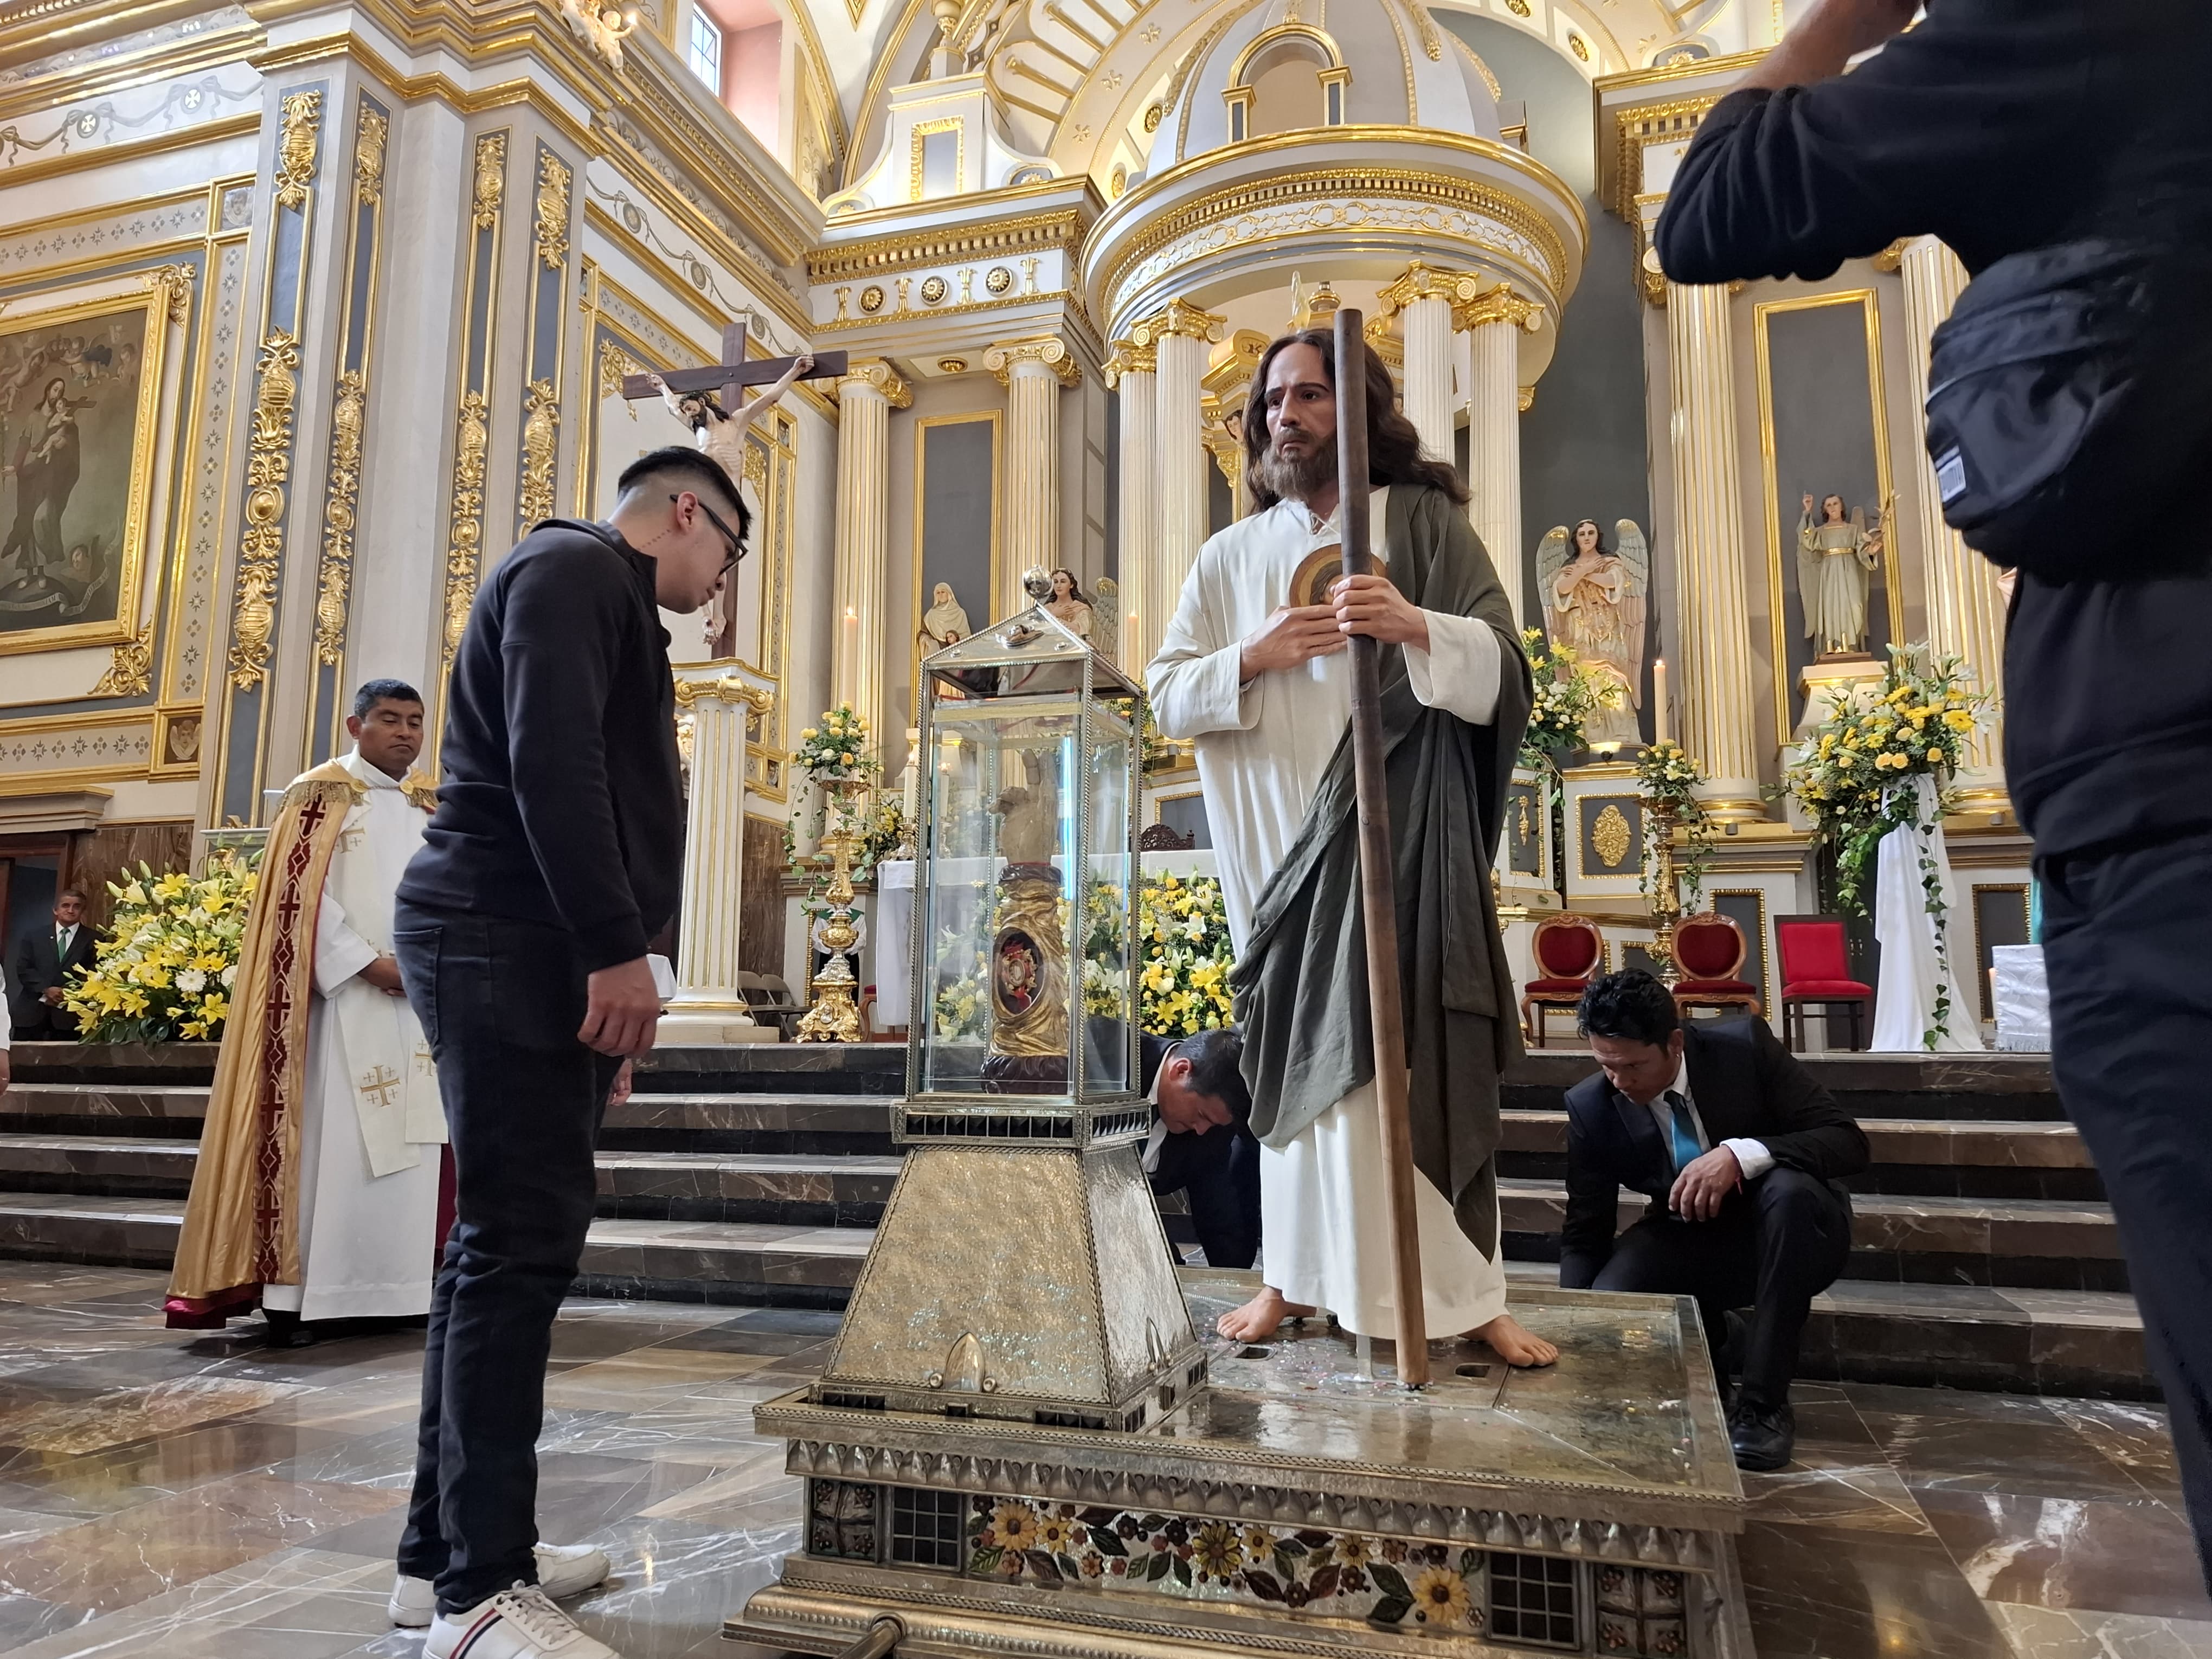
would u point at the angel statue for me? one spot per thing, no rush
(721, 433)
(1106, 619)
(1594, 605)
(1837, 557)
(1069, 602)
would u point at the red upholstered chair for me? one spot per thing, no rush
(1816, 978)
(1569, 951)
(1710, 950)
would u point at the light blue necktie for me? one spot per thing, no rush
(1685, 1136)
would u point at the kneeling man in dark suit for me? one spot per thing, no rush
(1739, 1150)
(1201, 1143)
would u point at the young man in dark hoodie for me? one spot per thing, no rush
(2001, 127)
(555, 853)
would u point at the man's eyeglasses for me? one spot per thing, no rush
(737, 543)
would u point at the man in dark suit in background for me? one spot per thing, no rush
(44, 962)
(1197, 1088)
(1739, 1150)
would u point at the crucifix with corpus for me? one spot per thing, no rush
(711, 403)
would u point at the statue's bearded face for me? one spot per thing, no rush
(1301, 458)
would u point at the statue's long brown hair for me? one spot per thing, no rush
(1394, 447)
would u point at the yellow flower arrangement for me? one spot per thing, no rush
(165, 971)
(1183, 933)
(1566, 695)
(1917, 726)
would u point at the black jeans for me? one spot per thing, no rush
(500, 1002)
(2124, 937)
(1774, 1245)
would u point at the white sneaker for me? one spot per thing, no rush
(564, 1570)
(518, 1624)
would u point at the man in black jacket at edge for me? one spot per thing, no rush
(555, 854)
(1740, 1151)
(2002, 126)
(1197, 1088)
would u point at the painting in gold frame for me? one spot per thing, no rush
(79, 393)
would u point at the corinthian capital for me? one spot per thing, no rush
(1048, 349)
(1498, 304)
(1131, 358)
(1181, 317)
(874, 374)
(1426, 281)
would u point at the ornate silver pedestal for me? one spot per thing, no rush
(1292, 1505)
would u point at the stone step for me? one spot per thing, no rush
(121, 1166)
(1939, 1157)
(2040, 1244)
(1887, 1085)
(1962, 1336)
(817, 1192)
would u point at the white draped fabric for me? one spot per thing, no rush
(1263, 750)
(1914, 961)
(369, 1137)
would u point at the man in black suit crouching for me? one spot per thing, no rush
(1739, 1150)
(1197, 1088)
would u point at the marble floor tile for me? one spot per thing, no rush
(2068, 1553)
(1834, 1593)
(200, 1618)
(138, 1553)
(1872, 1497)
(2045, 1633)
(72, 1427)
(2133, 1436)
(1987, 1443)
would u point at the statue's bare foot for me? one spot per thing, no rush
(1257, 1320)
(1512, 1344)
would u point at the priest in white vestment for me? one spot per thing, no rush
(359, 1198)
(1257, 673)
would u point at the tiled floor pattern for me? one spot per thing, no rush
(199, 1499)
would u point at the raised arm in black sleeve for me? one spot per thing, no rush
(1966, 127)
(1817, 1135)
(566, 613)
(1593, 1212)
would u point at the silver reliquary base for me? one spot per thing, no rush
(1298, 1503)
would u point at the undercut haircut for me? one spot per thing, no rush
(676, 468)
(376, 691)
(1217, 1063)
(1629, 1007)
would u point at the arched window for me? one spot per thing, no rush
(1288, 77)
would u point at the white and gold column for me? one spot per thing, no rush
(866, 395)
(1424, 296)
(1718, 723)
(1965, 612)
(1182, 332)
(1132, 372)
(1494, 321)
(1033, 370)
(708, 1007)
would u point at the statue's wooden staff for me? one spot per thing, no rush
(1378, 882)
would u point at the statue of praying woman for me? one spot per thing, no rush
(1837, 557)
(945, 622)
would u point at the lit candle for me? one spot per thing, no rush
(1659, 700)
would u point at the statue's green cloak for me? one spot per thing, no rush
(1300, 987)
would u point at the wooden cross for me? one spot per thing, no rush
(728, 377)
(383, 1083)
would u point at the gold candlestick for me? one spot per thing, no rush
(1666, 902)
(834, 1017)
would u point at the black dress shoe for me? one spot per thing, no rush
(1762, 1436)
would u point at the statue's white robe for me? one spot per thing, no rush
(369, 1137)
(1263, 751)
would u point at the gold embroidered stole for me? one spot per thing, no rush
(242, 1221)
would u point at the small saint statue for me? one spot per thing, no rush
(1837, 557)
(1069, 603)
(945, 622)
(1029, 830)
